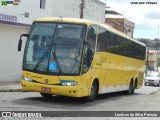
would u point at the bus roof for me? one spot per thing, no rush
(88, 22)
(71, 20)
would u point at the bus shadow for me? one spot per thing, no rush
(115, 95)
(69, 102)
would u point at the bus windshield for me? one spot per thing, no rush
(54, 48)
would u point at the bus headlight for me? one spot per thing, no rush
(27, 79)
(69, 83)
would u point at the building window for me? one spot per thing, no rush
(42, 4)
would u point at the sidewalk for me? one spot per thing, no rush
(10, 87)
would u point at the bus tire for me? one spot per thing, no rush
(134, 87)
(93, 92)
(130, 89)
(45, 95)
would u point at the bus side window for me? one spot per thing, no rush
(103, 40)
(89, 48)
(89, 55)
(91, 37)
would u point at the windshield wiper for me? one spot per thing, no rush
(77, 54)
(76, 60)
(41, 59)
(56, 60)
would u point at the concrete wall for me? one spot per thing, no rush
(93, 10)
(10, 59)
(30, 6)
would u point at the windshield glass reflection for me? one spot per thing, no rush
(55, 48)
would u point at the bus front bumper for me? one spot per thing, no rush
(71, 91)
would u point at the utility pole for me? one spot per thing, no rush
(147, 57)
(81, 8)
(157, 57)
(158, 31)
(158, 49)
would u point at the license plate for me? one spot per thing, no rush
(46, 89)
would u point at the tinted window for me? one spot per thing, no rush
(91, 37)
(103, 41)
(89, 48)
(110, 42)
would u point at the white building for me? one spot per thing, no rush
(16, 20)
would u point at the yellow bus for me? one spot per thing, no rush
(80, 58)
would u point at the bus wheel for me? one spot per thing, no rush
(93, 92)
(130, 89)
(134, 87)
(46, 95)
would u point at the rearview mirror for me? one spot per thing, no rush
(20, 41)
(20, 45)
(86, 43)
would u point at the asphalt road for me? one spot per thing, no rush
(145, 99)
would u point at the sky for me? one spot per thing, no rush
(145, 16)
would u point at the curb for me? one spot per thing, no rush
(12, 90)
(153, 93)
(156, 92)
